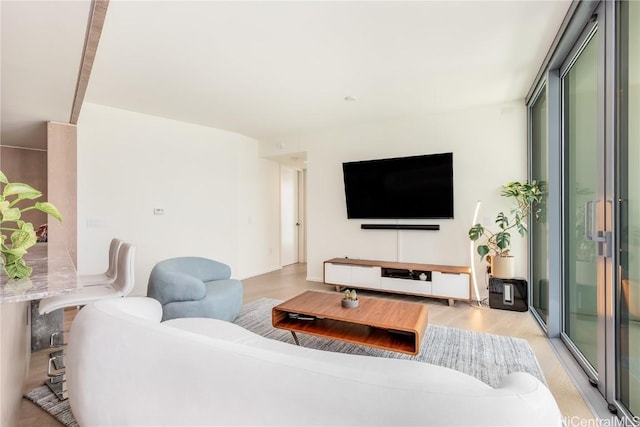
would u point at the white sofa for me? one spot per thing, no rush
(126, 368)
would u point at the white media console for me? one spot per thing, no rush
(435, 281)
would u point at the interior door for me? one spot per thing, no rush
(289, 223)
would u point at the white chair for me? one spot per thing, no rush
(108, 276)
(120, 287)
(105, 278)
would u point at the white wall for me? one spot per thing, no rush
(220, 199)
(489, 149)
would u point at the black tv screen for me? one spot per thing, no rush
(417, 187)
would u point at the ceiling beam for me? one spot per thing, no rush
(96, 22)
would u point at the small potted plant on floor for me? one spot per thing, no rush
(496, 243)
(350, 299)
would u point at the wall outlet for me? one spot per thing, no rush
(94, 222)
(158, 211)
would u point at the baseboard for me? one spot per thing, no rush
(258, 273)
(314, 279)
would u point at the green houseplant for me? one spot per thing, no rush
(496, 242)
(13, 203)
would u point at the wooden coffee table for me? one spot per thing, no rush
(382, 323)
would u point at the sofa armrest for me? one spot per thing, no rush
(175, 287)
(140, 307)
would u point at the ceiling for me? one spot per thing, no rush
(268, 69)
(42, 43)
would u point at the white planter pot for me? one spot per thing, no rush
(503, 267)
(347, 303)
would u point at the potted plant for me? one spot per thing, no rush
(350, 299)
(497, 242)
(23, 236)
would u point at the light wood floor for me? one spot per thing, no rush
(290, 281)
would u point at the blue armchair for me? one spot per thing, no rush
(195, 287)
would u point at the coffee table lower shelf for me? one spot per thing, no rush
(407, 342)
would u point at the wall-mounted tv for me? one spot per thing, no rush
(417, 187)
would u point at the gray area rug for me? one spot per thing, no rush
(485, 356)
(44, 398)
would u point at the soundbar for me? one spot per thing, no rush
(400, 226)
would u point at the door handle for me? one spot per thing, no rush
(605, 238)
(591, 232)
(591, 222)
(588, 219)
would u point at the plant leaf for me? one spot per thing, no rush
(7, 213)
(11, 255)
(3, 178)
(49, 209)
(503, 240)
(476, 232)
(24, 238)
(502, 221)
(18, 269)
(522, 229)
(517, 216)
(511, 189)
(483, 250)
(23, 191)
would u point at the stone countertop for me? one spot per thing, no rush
(53, 274)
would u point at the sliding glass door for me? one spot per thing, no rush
(628, 182)
(601, 205)
(538, 228)
(583, 194)
(584, 136)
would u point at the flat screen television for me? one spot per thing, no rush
(416, 187)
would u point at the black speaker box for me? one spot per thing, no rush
(508, 294)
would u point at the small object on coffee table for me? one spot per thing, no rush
(350, 299)
(301, 316)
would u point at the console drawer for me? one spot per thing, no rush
(337, 274)
(365, 276)
(352, 275)
(450, 285)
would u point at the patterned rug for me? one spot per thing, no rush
(44, 398)
(485, 356)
